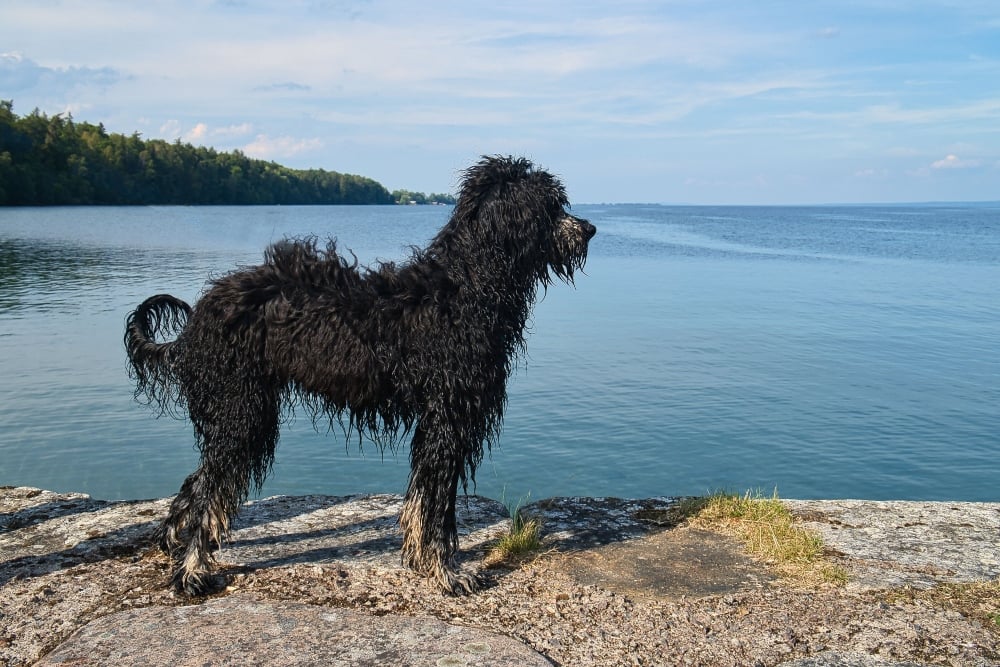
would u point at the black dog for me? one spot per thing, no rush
(424, 347)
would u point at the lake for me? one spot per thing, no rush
(828, 352)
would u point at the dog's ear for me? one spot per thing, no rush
(486, 180)
(522, 192)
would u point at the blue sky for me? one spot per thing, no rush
(677, 101)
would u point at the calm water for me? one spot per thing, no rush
(829, 352)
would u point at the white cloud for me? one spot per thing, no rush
(20, 75)
(268, 148)
(976, 110)
(287, 87)
(954, 162)
(240, 130)
(171, 129)
(197, 133)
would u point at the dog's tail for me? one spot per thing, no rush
(150, 362)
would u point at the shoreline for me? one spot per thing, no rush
(607, 588)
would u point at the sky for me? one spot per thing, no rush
(677, 101)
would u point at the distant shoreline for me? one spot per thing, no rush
(932, 204)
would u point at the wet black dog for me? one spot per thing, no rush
(423, 347)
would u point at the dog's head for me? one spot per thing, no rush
(518, 213)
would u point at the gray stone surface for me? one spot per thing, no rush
(283, 530)
(42, 531)
(886, 544)
(834, 659)
(580, 523)
(618, 585)
(237, 631)
(671, 564)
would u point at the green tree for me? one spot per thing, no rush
(55, 160)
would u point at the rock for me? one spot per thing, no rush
(833, 659)
(237, 631)
(887, 544)
(579, 523)
(668, 565)
(616, 584)
(41, 531)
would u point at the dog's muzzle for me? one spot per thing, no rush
(578, 227)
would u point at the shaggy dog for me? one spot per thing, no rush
(424, 347)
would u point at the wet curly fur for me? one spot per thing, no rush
(423, 347)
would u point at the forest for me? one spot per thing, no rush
(56, 161)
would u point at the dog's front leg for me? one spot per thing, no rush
(430, 532)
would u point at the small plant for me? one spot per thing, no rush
(523, 538)
(770, 533)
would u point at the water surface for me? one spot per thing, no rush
(830, 352)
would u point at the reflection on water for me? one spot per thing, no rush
(833, 352)
(29, 269)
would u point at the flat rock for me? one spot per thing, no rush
(42, 531)
(582, 522)
(284, 530)
(617, 576)
(668, 565)
(836, 659)
(887, 544)
(237, 631)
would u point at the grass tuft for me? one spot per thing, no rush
(770, 533)
(523, 539)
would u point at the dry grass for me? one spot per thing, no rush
(522, 540)
(770, 533)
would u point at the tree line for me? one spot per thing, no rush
(407, 197)
(54, 160)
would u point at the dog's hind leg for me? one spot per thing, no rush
(201, 531)
(430, 532)
(169, 534)
(238, 438)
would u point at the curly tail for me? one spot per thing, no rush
(149, 361)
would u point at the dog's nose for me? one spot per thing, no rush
(588, 229)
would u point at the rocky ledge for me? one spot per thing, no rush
(317, 580)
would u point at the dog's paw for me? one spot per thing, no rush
(197, 584)
(458, 582)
